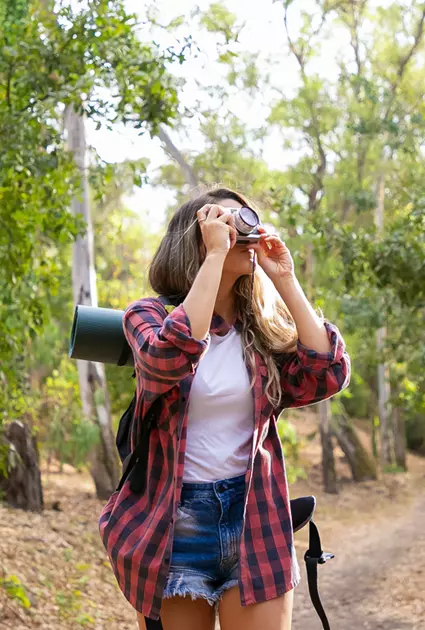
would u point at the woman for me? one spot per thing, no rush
(213, 530)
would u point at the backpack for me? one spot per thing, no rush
(134, 465)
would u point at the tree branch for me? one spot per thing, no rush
(314, 128)
(176, 155)
(404, 61)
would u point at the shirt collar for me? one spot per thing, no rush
(220, 327)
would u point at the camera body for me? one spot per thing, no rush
(246, 222)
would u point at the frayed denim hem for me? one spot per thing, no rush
(177, 588)
(220, 592)
(179, 585)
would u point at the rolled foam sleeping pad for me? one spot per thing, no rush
(97, 335)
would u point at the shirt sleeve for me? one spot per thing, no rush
(163, 347)
(308, 376)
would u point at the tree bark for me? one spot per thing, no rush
(384, 392)
(362, 465)
(399, 438)
(93, 388)
(328, 460)
(22, 487)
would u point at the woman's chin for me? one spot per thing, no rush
(242, 267)
(245, 270)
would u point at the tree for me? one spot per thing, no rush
(89, 59)
(123, 247)
(322, 116)
(384, 120)
(361, 463)
(373, 121)
(93, 388)
(363, 121)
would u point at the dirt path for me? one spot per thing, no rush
(375, 529)
(377, 579)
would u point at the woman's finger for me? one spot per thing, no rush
(261, 247)
(202, 214)
(227, 217)
(215, 211)
(273, 240)
(268, 235)
(233, 236)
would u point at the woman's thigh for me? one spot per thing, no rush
(274, 614)
(184, 613)
(141, 621)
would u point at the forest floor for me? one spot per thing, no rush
(376, 530)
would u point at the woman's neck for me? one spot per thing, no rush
(225, 302)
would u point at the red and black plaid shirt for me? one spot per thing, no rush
(137, 531)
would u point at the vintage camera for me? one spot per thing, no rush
(247, 222)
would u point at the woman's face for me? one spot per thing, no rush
(239, 261)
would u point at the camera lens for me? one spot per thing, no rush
(249, 216)
(246, 220)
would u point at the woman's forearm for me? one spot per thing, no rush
(200, 301)
(311, 331)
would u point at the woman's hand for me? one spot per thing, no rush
(273, 256)
(217, 228)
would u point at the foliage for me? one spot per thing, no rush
(123, 248)
(345, 131)
(393, 263)
(291, 449)
(63, 431)
(342, 133)
(220, 21)
(54, 55)
(15, 590)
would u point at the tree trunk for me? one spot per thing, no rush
(384, 391)
(309, 270)
(399, 438)
(374, 437)
(22, 488)
(324, 407)
(176, 155)
(362, 465)
(93, 389)
(328, 460)
(384, 407)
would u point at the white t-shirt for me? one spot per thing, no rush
(221, 413)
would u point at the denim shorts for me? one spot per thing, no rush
(205, 554)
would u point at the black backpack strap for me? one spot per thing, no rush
(302, 510)
(137, 461)
(153, 625)
(314, 556)
(173, 300)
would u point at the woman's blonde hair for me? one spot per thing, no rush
(267, 325)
